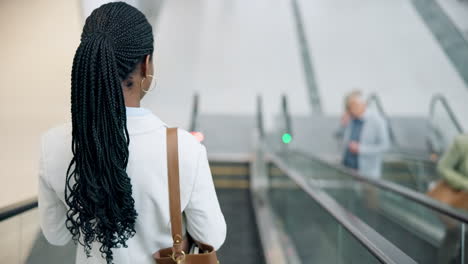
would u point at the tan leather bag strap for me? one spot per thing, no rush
(174, 188)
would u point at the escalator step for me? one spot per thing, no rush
(43, 252)
(242, 243)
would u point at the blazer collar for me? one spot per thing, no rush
(137, 111)
(139, 124)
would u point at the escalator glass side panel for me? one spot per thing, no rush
(415, 174)
(417, 230)
(316, 235)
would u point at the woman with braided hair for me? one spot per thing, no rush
(103, 177)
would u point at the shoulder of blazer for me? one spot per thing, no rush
(61, 129)
(187, 142)
(54, 134)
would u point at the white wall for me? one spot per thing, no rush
(228, 51)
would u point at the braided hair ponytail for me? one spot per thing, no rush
(116, 37)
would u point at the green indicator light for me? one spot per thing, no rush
(286, 138)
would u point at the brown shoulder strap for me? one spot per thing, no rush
(174, 187)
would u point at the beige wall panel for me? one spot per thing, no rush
(39, 39)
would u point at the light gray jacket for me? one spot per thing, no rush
(373, 144)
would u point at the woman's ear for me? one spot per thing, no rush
(146, 66)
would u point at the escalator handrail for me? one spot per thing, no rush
(286, 114)
(377, 245)
(260, 125)
(439, 98)
(193, 120)
(376, 99)
(417, 197)
(15, 209)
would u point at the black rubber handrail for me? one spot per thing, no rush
(17, 208)
(286, 114)
(439, 98)
(376, 99)
(417, 197)
(193, 121)
(260, 126)
(377, 245)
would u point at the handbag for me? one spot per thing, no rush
(445, 193)
(179, 252)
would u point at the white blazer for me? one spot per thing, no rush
(147, 169)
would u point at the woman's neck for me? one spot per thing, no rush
(132, 101)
